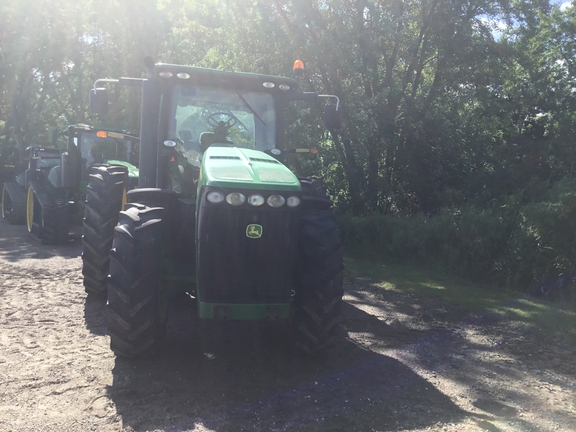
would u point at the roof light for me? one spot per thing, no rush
(284, 87)
(166, 74)
(298, 67)
(268, 84)
(101, 134)
(183, 75)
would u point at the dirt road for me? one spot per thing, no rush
(404, 363)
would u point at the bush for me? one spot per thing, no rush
(529, 247)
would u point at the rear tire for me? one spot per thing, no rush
(137, 304)
(47, 214)
(319, 277)
(104, 198)
(14, 203)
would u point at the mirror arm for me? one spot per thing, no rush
(104, 80)
(332, 97)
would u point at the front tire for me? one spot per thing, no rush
(319, 278)
(47, 215)
(104, 198)
(14, 203)
(137, 304)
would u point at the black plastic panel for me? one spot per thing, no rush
(233, 268)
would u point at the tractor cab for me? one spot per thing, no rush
(189, 109)
(41, 161)
(88, 146)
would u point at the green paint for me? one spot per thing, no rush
(133, 171)
(225, 311)
(234, 167)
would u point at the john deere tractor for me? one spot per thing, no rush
(37, 164)
(55, 190)
(218, 215)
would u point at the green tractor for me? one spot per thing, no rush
(55, 191)
(218, 215)
(37, 164)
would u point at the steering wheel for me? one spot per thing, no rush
(216, 119)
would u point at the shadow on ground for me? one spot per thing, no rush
(16, 244)
(245, 376)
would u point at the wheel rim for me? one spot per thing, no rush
(124, 199)
(30, 209)
(4, 216)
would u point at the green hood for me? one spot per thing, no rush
(234, 167)
(133, 172)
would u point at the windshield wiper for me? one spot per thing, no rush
(251, 109)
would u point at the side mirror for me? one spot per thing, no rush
(332, 117)
(98, 101)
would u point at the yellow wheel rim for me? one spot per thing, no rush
(3, 202)
(30, 208)
(124, 199)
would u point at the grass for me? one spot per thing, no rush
(551, 317)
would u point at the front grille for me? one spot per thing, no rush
(234, 268)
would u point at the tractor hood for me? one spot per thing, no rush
(234, 167)
(132, 170)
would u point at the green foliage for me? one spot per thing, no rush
(530, 247)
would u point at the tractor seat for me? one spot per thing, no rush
(209, 138)
(206, 140)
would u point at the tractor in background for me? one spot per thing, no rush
(37, 164)
(85, 184)
(55, 192)
(218, 215)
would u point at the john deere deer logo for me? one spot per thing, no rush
(254, 231)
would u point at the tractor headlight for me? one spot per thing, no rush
(215, 197)
(293, 201)
(276, 200)
(235, 198)
(256, 200)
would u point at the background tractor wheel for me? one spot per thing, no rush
(47, 215)
(137, 304)
(320, 266)
(14, 203)
(104, 197)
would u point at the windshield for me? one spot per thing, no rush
(47, 161)
(249, 117)
(98, 150)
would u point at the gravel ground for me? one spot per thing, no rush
(403, 363)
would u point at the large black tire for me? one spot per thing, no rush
(104, 198)
(47, 214)
(14, 203)
(137, 303)
(319, 277)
